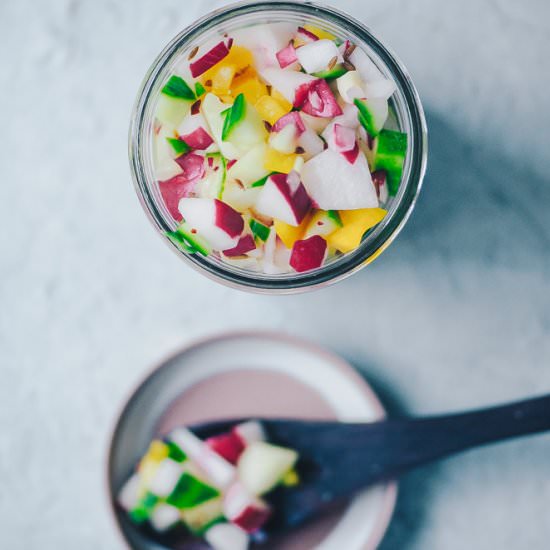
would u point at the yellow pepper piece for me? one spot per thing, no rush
(279, 162)
(269, 109)
(157, 451)
(281, 99)
(319, 32)
(289, 234)
(221, 81)
(291, 478)
(238, 57)
(356, 222)
(252, 88)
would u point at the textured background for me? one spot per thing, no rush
(456, 314)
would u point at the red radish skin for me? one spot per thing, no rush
(228, 219)
(246, 244)
(344, 138)
(192, 166)
(379, 180)
(173, 190)
(308, 35)
(290, 118)
(294, 192)
(230, 163)
(316, 99)
(251, 519)
(286, 56)
(210, 58)
(308, 254)
(198, 139)
(228, 445)
(351, 156)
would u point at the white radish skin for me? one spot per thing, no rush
(164, 516)
(335, 184)
(316, 56)
(226, 536)
(166, 477)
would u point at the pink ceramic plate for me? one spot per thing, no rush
(254, 374)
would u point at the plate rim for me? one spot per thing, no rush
(389, 500)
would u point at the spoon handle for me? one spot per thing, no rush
(411, 443)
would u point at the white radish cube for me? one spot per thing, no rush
(262, 466)
(317, 124)
(219, 471)
(284, 141)
(311, 143)
(128, 496)
(166, 478)
(333, 183)
(380, 89)
(368, 71)
(164, 516)
(250, 167)
(350, 86)
(286, 81)
(226, 536)
(249, 432)
(244, 509)
(316, 56)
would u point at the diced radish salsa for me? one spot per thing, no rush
(273, 149)
(216, 488)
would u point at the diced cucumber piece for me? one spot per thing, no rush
(200, 518)
(178, 145)
(190, 492)
(174, 452)
(199, 89)
(259, 230)
(391, 149)
(261, 181)
(142, 511)
(171, 110)
(190, 242)
(177, 87)
(213, 183)
(372, 114)
(234, 115)
(329, 74)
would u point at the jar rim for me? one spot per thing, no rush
(377, 241)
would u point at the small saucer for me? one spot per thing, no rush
(254, 374)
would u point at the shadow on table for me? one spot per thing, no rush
(476, 206)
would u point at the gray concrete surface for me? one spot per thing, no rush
(456, 314)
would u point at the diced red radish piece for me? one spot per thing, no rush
(264, 41)
(246, 244)
(284, 197)
(262, 465)
(249, 432)
(228, 445)
(268, 262)
(339, 138)
(290, 118)
(175, 189)
(213, 220)
(245, 510)
(192, 166)
(230, 163)
(311, 143)
(165, 478)
(352, 154)
(308, 254)
(284, 140)
(379, 178)
(226, 536)
(198, 139)
(306, 35)
(380, 89)
(316, 56)
(220, 472)
(287, 82)
(317, 99)
(287, 56)
(164, 516)
(335, 184)
(128, 496)
(210, 58)
(368, 71)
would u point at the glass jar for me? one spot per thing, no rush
(409, 118)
